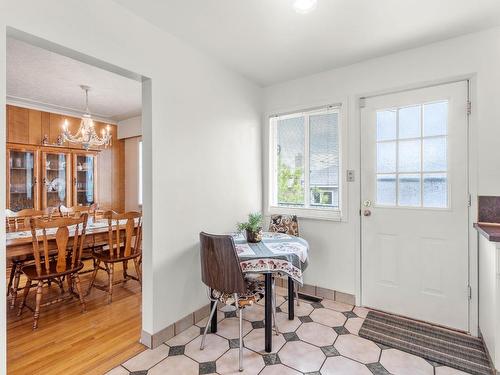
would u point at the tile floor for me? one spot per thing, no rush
(322, 339)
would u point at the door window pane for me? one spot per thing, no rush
(290, 140)
(435, 190)
(409, 156)
(434, 154)
(386, 125)
(386, 157)
(409, 190)
(386, 189)
(409, 122)
(324, 159)
(435, 119)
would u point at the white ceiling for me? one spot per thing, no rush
(266, 41)
(40, 78)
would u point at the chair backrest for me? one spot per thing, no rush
(220, 267)
(124, 230)
(20, 220)
(288, 224)
(62, 234)
(77, 211)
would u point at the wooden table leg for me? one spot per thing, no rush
(213, 323)
(291, 296)
(268, 313)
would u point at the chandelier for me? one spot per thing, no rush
(86, 134)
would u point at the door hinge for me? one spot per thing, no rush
(469, 107)
(469, 292)
(362, 102)
(469, 201)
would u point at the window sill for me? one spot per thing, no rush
(307, 213)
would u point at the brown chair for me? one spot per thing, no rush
(124, 244)
(77, 211)
(221, 272)
(20, 221)
(66, 264)
(288, 224)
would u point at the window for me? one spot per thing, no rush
(139, 174)
(412, 169)
(305, 163)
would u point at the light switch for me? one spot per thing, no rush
(350, 175)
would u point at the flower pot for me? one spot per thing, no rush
(254, 237)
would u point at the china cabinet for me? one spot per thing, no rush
(22, 178)
(56, 178)
(84, 178)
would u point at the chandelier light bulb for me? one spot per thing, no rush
(304, 6)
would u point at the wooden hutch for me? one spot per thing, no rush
(47, 175)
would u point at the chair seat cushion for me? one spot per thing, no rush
(106, 256)
(30, 270)
(254, 293)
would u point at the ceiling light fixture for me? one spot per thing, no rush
(86, 135)
(304, 6)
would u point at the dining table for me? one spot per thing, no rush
(277, 254)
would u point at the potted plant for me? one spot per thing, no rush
(253, 227)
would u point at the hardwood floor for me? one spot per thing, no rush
(69, 342)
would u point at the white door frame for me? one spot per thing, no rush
(472, 169)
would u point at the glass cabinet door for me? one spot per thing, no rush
(84, 179)
(22, 180)
(55, 177)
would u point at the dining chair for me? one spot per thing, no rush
(124, 244)
(221, 273)
(76, 211)
(20, 221)
(288, 224)
(66, 264)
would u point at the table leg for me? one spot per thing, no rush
(213, 323)
(291, 296)
(268, 313)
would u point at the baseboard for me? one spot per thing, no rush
(152, 341)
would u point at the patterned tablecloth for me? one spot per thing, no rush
(277, 252)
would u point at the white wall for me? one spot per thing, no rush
(131, 127)
(132, 174)
(334, 245)
(204, 144)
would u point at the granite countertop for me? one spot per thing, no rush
(489, 230)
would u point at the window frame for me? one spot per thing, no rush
(309, 211)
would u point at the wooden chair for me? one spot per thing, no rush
(20, 221)
(221, 272)
(288, 224)
(77, 211)
(66, 264)
(120, 249)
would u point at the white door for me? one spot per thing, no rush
(414, 204)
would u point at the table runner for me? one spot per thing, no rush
(277, 252)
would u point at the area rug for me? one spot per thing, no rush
(450, 348)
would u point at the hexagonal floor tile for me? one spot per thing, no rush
(255, 341)
(285, 325)
(302, 356)
(229, 364)
(444, 370)
(184, 337)
(361, 311)
(117, 371)
(401, 363)
(215, 346)
(179, 364)
(230, 328)
(317, 334)
(337, 306)
(147, 359)
(202, 323)
(353, 325)
(253, 313)
(357, 348)
(328, 317)
(341, 365)
(279, 300)
(302, 310)
(279, 370)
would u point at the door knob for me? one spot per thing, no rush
(367, 213)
